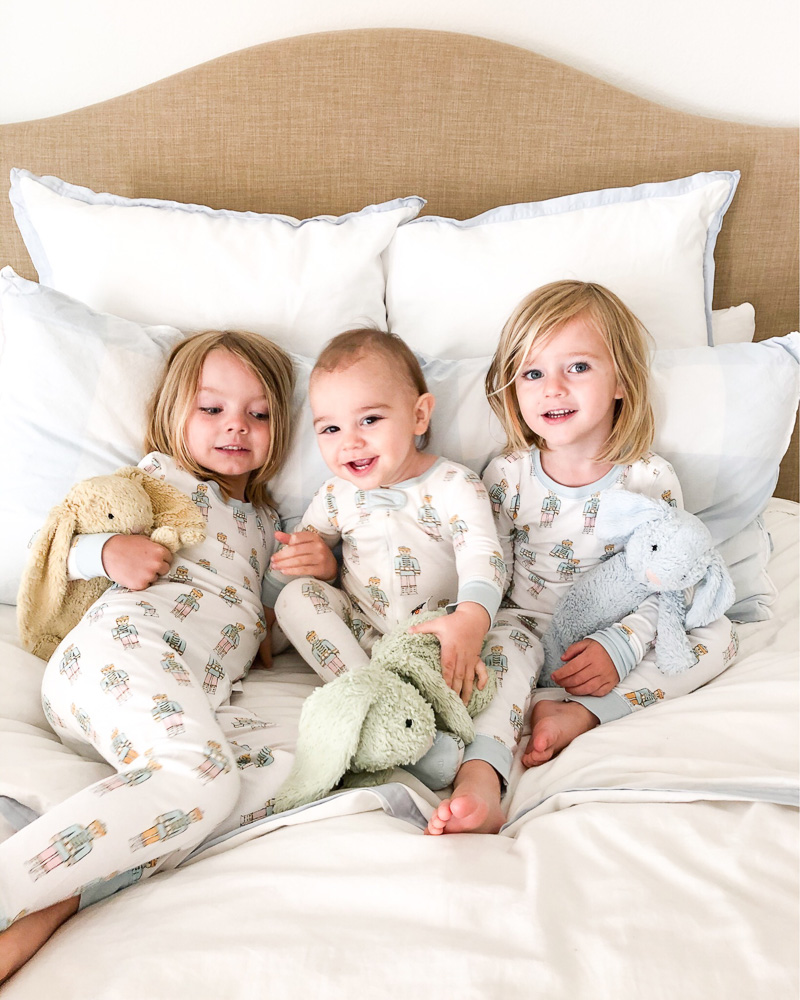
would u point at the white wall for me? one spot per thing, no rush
(734, 59)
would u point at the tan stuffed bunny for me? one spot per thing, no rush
(128, 502)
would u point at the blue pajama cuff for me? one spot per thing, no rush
(611, 706)
(613, 641)
(497, 754)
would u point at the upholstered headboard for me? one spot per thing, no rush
(330, 122)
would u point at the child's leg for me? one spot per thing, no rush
(558, 717)
(162, 798)
(263, 766)
(514, 651)
(316, 619)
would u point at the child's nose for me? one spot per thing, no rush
(354, 438)
(554, 385)
(237, 422)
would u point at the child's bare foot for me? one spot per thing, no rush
(26, 936)
(555, 726)
(474, 806)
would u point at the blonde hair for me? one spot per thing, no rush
(173, 400)
(541, 315)
(351, 346)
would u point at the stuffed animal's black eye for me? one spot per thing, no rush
(111, 517)
(409, 723)
(654, 548)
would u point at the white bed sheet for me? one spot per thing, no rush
(655, 858)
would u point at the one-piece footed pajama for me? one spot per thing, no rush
(425, 543)
(144, 682)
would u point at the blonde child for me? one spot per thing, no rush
(218, 430)
(416, 530)
(569, 382)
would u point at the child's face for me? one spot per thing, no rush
(228, 426)
(567, 390)
(366, 418)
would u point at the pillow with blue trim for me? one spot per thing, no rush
(451, 285)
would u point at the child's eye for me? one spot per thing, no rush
(579, 367)
(371, 420)
(211, 409)
(261, 416)
(330, 429)
(532, 375)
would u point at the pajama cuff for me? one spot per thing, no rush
(615, 642)
(611, 706)
(271, 586)
(489, 749)
(103, 888)
(85, 559)
(479, 592)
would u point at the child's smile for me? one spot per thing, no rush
(567, 390)
(228, 430)
(367, 418)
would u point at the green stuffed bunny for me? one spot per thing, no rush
(359, 727)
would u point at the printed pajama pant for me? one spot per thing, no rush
(186, 769)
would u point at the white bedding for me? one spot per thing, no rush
(655, 858)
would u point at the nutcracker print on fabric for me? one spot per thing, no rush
(416, 529)
(569, 383)
(144, 695)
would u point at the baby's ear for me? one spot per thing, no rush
(423, 410)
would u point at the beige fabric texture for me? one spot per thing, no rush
(328, 123)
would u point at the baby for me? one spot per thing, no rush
(417, 531)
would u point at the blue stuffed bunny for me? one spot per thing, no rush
(667, 551)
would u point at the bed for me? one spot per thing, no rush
(657, 855)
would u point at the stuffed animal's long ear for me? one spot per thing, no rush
(171, 507)
(44, 581)
(713, 595)
(450, 711)
(416, 657)
(621, 512)
(328, 736)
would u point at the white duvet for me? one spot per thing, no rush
(655, 858)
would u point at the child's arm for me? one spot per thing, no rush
(588, 669)
(481, 581)
(597, 663)
(132, 561)
(304, 554)
(461, 636)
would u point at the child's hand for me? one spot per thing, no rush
(134, 561)
(588, 669)
(461, 636)
(305, 554)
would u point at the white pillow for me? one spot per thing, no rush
(74, 385)
(735, 325)
(451, 285)
(298, 282)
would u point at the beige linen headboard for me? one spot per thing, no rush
(331, 122)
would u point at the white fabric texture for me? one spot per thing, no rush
(650, 829)
(296, 281)
(451, 285)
